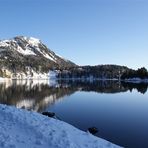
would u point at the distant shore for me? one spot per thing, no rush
(131, 80)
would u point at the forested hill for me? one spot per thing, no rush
(99, 71)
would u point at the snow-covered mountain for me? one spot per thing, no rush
(20, 53)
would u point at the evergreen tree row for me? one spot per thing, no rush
(141, 73)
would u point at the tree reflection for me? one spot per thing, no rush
(39, 96)
(141, 87)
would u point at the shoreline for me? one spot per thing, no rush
(133, 80)
(21, 127)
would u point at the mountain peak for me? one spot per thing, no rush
(30, 40)
(20, 52)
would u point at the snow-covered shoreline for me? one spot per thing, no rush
(20, 128)
(51, 75)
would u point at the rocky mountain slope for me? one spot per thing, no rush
(22, 53)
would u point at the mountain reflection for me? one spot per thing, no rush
(39, 95)
(32, 95)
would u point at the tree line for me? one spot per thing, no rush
(141, 73)
(103, 72)
(93, 72)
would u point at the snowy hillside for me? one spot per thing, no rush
(28, 46)
(20, 54)
(21, 129)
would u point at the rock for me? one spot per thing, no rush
(48, 114)
(93, 130)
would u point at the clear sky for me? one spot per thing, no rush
(88, 32)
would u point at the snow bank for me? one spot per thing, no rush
(33, 75)
(21, 129)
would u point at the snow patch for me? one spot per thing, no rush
(52, 74)
(48, 57)
(25, 52)
(4, 43)
(33, 41)
(34, 75)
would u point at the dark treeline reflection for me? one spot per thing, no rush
(39, 95)
(141, 87)
(95, 86)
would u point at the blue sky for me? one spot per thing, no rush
(88, 32)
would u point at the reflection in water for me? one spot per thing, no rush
(141, 87)
(96, 86)
(32, 95)
(39, 95)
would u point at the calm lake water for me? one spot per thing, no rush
(118, 110)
